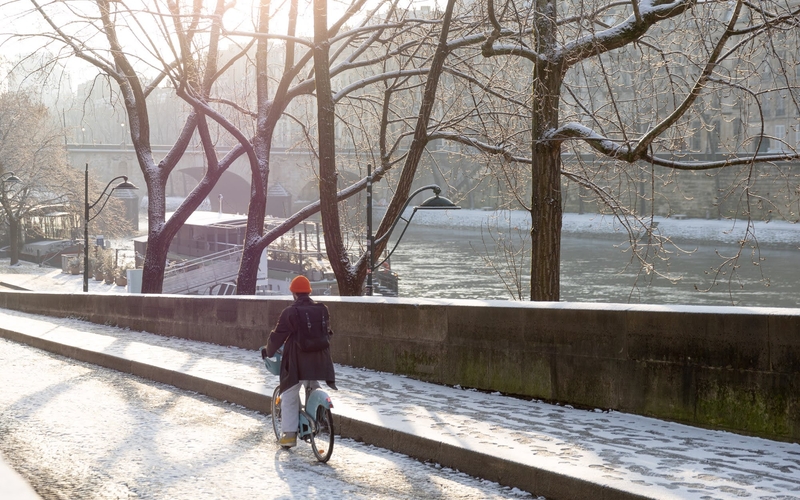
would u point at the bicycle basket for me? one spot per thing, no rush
(273, 364)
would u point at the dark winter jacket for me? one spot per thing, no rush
(297, 365)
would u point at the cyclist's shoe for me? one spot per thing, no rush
(288, 440)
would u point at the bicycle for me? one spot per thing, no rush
(316, 420)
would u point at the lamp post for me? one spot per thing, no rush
(13, 224)
(8, 178)
(122, 190)
(433, 203)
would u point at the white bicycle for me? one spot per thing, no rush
(316, 420)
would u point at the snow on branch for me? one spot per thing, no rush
(625, 32)
(480, 145)
(729, 162)
(602, 144)
(509, 50)
(391, 75)
(610, 149)
(592, 16)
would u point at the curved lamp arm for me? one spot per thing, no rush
(125, 186)
(9, 177)
(107, 195)
(436, 190)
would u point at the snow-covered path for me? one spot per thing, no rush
(80, 431)
(642, 457)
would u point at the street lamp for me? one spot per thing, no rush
(122, 190)
(433, 203)
(11, 178)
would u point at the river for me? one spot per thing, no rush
(447, 263)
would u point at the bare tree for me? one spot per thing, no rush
(31, 148)
(269, 109)
(350, 274)
(172, 43)
(631, 83)
(359, 58)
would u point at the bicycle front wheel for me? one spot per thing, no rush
(276, 412)
(322, 442)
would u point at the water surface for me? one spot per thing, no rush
(447, 263)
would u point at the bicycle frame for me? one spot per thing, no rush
(308, 423)
(320, 434)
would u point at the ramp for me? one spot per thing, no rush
(196, 276)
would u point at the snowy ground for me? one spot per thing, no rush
(30, 276)
(640, 455)
(79, 431)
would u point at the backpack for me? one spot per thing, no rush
(312, 334)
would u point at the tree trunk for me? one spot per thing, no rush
(154, 262)
(262, 145)
(251, 252)
(13, 236)
(157, 241)
(546, 210)
(329, 202)
(546, 214)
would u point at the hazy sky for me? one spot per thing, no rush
(17, 18)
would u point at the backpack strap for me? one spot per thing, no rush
(308, 318)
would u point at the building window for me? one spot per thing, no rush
(766, 107)
(780, 105)
(696, 136)
(780, 136)
(737, 130)
(766, 72)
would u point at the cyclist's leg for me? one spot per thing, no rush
(290, 408)
(311, 385)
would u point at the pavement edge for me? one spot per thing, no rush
(552, 485)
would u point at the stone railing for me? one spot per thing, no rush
(727, 368)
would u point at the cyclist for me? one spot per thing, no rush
(304, 332)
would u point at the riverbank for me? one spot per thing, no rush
(774, 233)
(451, 263)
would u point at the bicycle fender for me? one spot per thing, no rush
(306, 425)
(318, 398)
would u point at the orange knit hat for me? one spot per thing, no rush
(300, 285)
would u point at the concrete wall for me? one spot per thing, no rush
(727, 368)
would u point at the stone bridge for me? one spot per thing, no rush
(291, 169)
(463, 176)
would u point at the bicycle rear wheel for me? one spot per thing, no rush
(322, 442)
(276, 412)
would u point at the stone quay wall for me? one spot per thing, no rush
(728, 368)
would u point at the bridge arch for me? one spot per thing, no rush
(234, 190)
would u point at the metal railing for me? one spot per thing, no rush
(198, 275)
